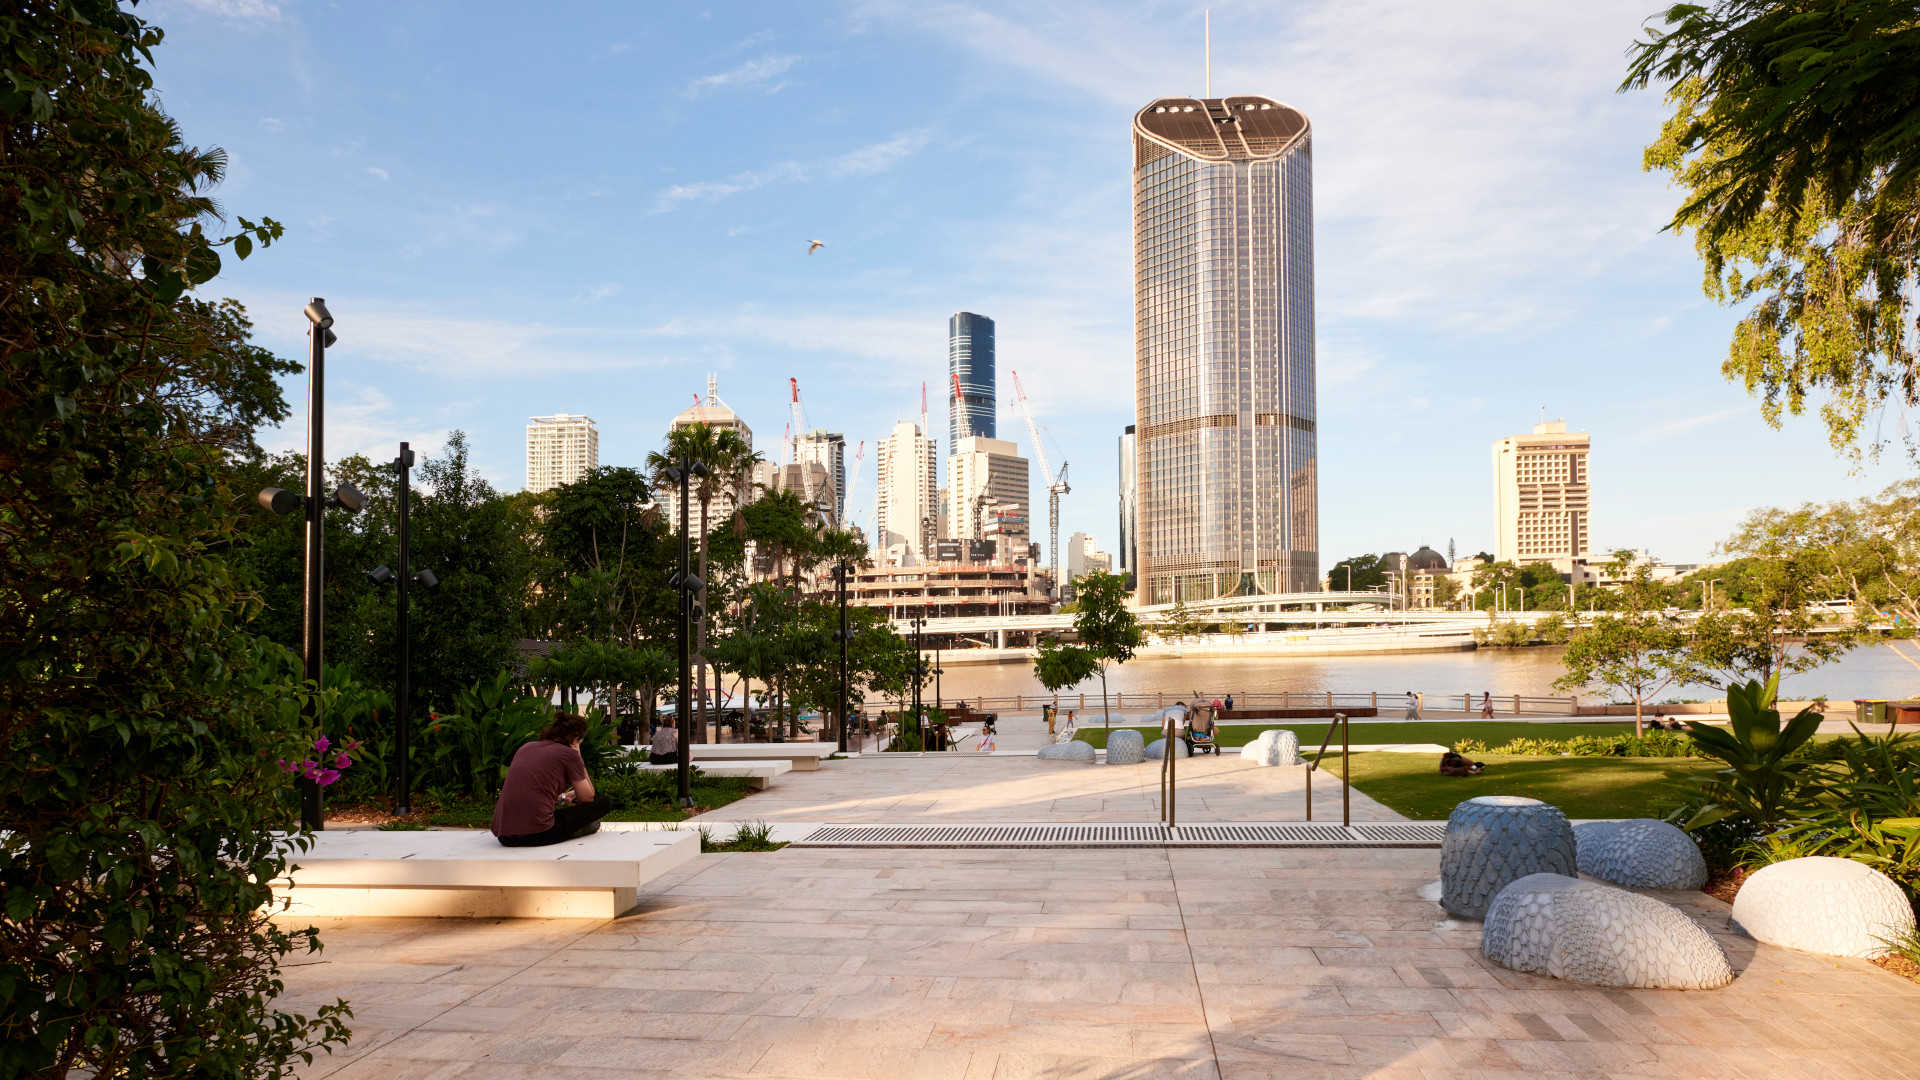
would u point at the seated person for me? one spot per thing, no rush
(666, 745)
(1453, 764)
(547, 797)
(1199, 727)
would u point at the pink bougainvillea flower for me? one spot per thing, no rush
(326, 776)
(320, 745)
(341, 761)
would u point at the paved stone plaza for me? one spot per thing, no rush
(1059, 963)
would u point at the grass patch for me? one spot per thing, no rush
(636, 797)
(1491, 732)
(749, 836)
(708, 793)
(1592, 787)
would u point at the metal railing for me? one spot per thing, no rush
(1390, 701)
(1346, 790)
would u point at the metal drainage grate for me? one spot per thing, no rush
(1287, 834)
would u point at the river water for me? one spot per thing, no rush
(1874, 672)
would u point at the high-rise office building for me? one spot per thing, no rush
(714, 413)
(1540, 496)
(827, 449)
(987, 482)
(970, 360)
(560, 449)
(1129, 503)
(1224, 349)
(905, 511)
(1084, 557)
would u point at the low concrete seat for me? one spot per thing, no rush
(467, 873)
(803, 756)
(758, 773)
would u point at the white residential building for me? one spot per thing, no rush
(993, 468)
(560, 449)
(906, 507)
(712, 412)
(1084, 557)
(828, 450)
(1541, 496)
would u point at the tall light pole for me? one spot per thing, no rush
(840, 570)
(918, 623)
(688, 585)
(403, 633)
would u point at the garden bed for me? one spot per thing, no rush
(636, 797)
(1492, 732)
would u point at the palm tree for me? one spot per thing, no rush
(729, 460)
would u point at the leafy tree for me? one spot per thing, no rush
(140, 717)
(1358, 573)
(604, 561)
(1179, 623)
(1793, 136)
(1762, 776)
(1639, 651)
(1445, 591)
(1108, 633)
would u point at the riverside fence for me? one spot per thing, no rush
(1390, 703)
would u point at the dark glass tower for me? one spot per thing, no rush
(970, 360)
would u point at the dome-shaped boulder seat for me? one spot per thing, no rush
(1586, 932)
(1494, 840)
(1274, 746)
(1642, 853)
(1821, 904)
(1156, 750)
(1125, 747)
(1071, 750)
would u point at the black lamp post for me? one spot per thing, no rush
(320, 336)
(689, 585)
(403, 634)
(919, 621)
(840, 572)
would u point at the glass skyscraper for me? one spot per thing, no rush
(970, 359)
(1224, 349)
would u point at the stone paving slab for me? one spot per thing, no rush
(1103, 963)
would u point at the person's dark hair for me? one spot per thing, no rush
(566, 727)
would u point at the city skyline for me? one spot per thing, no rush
(1487, 242)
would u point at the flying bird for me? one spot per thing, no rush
(813, 246)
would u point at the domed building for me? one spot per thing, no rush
(1426, 559)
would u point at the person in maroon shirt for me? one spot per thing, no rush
(547, 797)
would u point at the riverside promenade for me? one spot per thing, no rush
(1007, 963)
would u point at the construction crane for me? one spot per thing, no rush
(959, 403)
(853, 485)
(798, 426)
(1056, 485)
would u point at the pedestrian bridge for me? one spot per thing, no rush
(1292, 609)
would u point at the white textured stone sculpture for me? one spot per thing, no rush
(1156, 750)
(1823, 905)
(1494, 840)
(1582, 931)
(1124, 747)
(1274, 746)
(1071, 750)
(1642, 853)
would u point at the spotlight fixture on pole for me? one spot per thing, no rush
(403, 633)
(841, 570)
(320, 337)
(689, 584)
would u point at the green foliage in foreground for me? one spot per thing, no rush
(1581, 787)
(1488, 732)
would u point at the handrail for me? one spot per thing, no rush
(1346, 754)
(1168, 774)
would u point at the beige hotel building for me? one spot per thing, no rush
(1541, 497)
(560, 449)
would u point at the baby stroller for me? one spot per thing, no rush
(1199, 736)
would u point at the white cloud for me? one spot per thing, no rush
(619, 47)
(360, 420)
(238, 9)
(1688, 423)
(603, 291)
(862, 161)
(273, 124)
(377, 173)
(757, 72)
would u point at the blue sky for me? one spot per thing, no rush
(520, 209)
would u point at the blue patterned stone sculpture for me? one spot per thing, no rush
(1494, 840)
(1156, 750)
(1071, 750)
(1275, 746)
(1823, 905)
(1582, 931)
(1642, 854)
(1124, 747)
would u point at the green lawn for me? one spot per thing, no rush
(708, 793)
(1582, 787)
(1491, 732)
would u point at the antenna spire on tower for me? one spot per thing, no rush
(1209, 52)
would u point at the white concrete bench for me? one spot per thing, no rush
(467, 873)
(757, 773)
(804, 756)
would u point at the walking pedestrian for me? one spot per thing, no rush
(1229, 702)
(1486, 705)
(1413, 706)
(986, 735)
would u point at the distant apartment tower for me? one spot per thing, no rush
(1084, 557)
(905, 508)
(827, 449)
(970, 360)
(560, 449)
(715, 413)
(988, 482)
(1224, 349)
(1541, 497)
(1129, 503)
